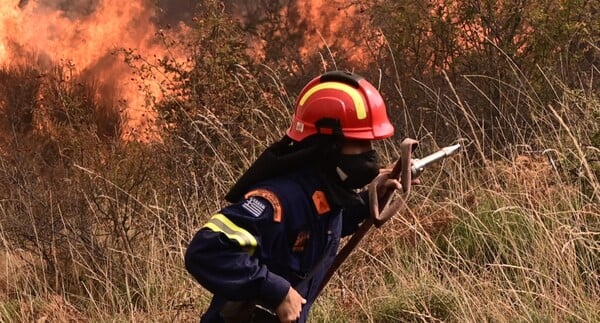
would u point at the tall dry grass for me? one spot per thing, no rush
(493, 235)
(94, 229)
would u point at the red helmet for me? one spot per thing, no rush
(345, 97)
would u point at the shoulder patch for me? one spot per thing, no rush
(269, 196)
(254, 206)
(321, 203)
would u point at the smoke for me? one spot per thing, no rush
(71, 8)
(174, 12)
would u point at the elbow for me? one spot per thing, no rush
(188, 259)
(193, 260)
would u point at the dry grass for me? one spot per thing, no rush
(94, 229)
(514, 238)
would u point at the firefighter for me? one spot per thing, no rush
(269, 250)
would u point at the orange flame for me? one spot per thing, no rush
(86, 42)
(336, 23)
(334, 29)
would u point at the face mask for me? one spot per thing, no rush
(356, 171)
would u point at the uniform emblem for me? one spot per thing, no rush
(254, 206)
(301, 240)
(271, 197)
(321, 203)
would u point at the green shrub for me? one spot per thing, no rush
(417, 304)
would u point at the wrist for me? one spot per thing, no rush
(274, 290)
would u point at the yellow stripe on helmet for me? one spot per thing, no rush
(359, 104)
(220, 223)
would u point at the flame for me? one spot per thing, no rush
(10, 20)
(82, 40)
(334, 29)
(87, 38)
(334, 23)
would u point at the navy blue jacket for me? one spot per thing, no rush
(270, 240)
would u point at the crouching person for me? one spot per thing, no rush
(265, 255)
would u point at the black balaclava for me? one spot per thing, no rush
(342, 174)
(357, 170)
(283, 156)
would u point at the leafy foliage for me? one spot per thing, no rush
(494, 55)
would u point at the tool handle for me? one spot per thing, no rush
(407, 146)
(402, 171)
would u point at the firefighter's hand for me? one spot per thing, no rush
(391, 183)
(290, 308)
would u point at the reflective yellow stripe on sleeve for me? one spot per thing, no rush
(220, 223)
